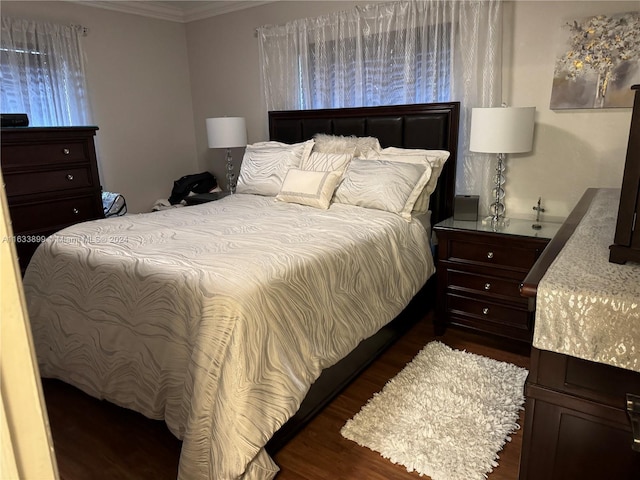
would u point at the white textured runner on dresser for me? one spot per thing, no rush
(588, 307)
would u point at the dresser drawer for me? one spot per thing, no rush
(508, 256)
(578, 425)
(72, 151)
(485, 285)
(47, 181)
(56, 214)
(593, 381)
(486, 310)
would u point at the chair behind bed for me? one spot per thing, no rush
(432, 126)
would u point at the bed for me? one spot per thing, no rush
(235, 321)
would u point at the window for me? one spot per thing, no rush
(381, 54)
(42, 73)
(393, 68)
(408, 51)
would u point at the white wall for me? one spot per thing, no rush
(225, 74)
(139, 88)
(573, 150)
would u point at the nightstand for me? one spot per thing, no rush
(205, 198)
(480, 271)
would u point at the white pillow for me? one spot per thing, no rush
(265, 165)
(435, 158)
(383, 185)
(306, 187)
(326, 162)
(356, 146)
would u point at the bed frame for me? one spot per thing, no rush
(431, 126)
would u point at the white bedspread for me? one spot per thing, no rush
(218, 317)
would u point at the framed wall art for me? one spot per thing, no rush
(597, 62)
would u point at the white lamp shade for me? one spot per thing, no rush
(226, 132)
(502, 129)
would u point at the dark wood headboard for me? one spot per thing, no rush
(432, 126)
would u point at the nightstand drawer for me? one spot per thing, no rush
(488, 311)
(503, 255)
(485, 285)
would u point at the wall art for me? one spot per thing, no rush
(598, 61)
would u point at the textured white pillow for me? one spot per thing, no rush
(435, 158)
(265, 165)
(383, 185)
(306, 187)
(326, 162)
(356, 146)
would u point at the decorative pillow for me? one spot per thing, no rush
(326, 162)
(356, 146)
(383, 185)
(265, 165)
(435, 158)
(313, 188)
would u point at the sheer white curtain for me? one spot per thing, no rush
(392, 53)
(42, 73)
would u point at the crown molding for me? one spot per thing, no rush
(168, 10)
(211, 9)
(146, 9)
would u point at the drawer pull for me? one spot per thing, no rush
(69, 177)
(487, 286)
(489, 255)
(633, 410)
(75, 211)
(485, 311)
(66, 151)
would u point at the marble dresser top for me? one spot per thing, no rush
(588, 307)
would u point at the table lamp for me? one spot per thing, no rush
(227, 132)
(501, 130)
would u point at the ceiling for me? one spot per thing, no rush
(181, 11)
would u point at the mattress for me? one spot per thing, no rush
(217, 318)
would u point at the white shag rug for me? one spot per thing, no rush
(445, 415)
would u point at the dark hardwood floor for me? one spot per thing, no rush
(97, 440)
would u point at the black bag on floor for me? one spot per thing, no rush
(197, 183)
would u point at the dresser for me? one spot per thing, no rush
(51, 181)
(480, 272)
(582, 413)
